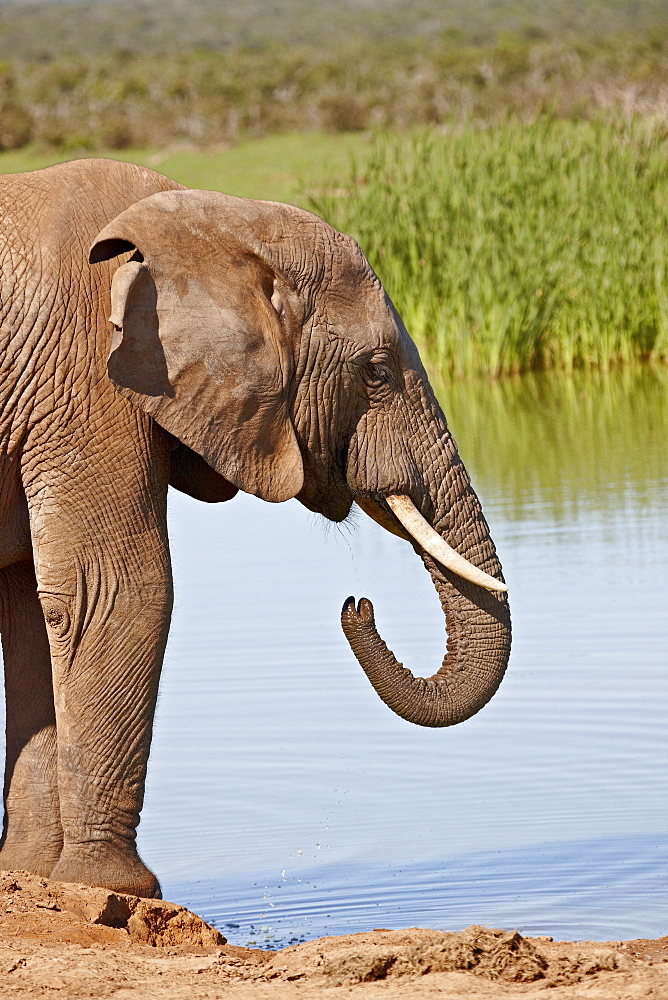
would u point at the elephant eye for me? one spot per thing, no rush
(377, 375)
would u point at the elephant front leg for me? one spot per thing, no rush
(98, 521)
(32, 834)
(107, 640)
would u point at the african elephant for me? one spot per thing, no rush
(251, 347)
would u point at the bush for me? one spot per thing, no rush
(212, 98)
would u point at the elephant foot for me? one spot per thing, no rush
(31, 854)
(101, 864)
(26, 861)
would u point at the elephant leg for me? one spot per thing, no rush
(32, 835)
(106, 687)
(104, 583)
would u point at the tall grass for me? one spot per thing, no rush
(518, 247)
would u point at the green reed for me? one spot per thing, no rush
(517, 246)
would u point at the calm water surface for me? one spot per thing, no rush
(285, 801)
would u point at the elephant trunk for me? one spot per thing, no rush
(477, 620)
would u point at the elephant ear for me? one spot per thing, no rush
(202, 344)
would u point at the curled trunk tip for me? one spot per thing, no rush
(454, 694)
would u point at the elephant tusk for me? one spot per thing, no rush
(420, 529)
(377, 513)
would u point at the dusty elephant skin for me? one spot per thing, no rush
(154, 334)
(81, 942)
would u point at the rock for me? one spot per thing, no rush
(162, 924)
(365, 958)
(154, 922)
(98, 906)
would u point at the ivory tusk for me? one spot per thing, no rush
(377, 513)
(411, 518)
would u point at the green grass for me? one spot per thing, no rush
(275, 169)
(518, 247)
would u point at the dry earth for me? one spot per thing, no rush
(78, 943)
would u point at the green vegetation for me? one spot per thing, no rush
(197, 99)
(272, 168)
(518, 247)
(49, 30)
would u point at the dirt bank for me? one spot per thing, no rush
(74, 942)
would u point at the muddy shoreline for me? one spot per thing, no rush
(79, 942)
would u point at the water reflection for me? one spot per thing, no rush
(549, 446)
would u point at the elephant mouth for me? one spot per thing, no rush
(398, 514)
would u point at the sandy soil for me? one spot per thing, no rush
(78, 943)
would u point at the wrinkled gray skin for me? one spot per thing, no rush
(252, 347)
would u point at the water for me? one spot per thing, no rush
(285, 801)
(284, 797)
(554, 887)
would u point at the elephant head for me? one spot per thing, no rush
(261, 338)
